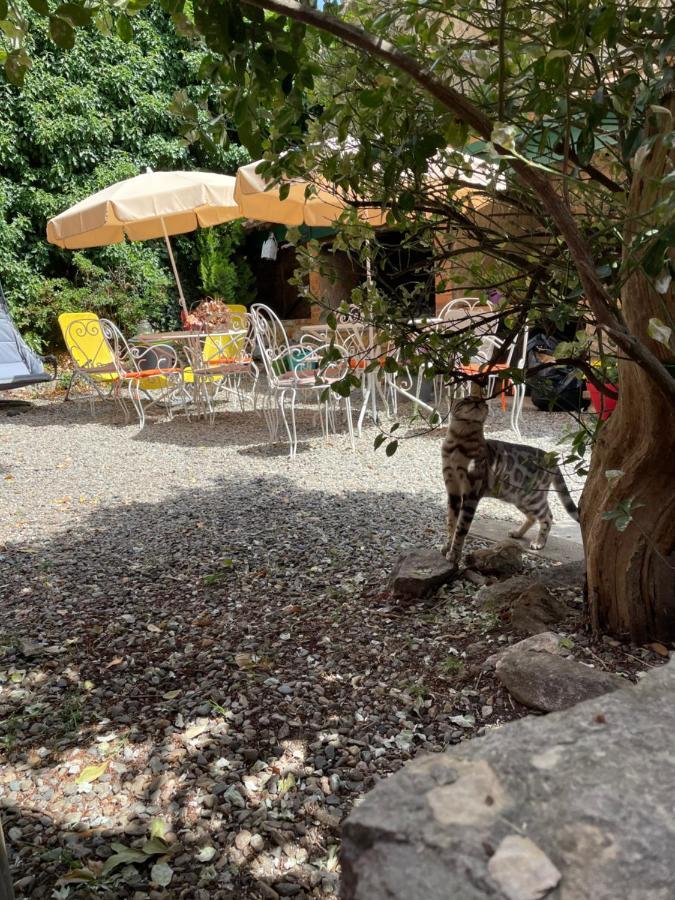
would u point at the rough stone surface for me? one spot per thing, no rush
(550, 683)
(546, 642)
(503, 559)
(522, 870)
(502, 593)
(536, 610)
(420, 573)
(592, 787)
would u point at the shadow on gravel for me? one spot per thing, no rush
(227, 661)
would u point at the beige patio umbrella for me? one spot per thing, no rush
(152, 205)
(259, 198)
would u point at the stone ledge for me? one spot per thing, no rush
(592, 787)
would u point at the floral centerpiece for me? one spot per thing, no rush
(209, 315)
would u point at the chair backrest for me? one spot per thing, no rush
(128, 358)
(272, 341)
(234, 346)
(455, 307)
(85, 340)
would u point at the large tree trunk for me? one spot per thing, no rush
(631, 574)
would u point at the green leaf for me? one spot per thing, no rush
(603, 19)
(91, 773)
(123, 858)
(654, 259)
(3, 9)
(40, 6)
(392, 447)
(61, 33)
(158, 828)
(74, 14)
(16, 65)
(125, 29)
(156, 846)
(371, 99)
(379, 440)
(659, 331)
(284, 190)
(564, 35)
(585, 146)
(633, 140)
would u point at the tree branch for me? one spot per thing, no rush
(597, 297)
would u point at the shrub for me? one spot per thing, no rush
(224, 269)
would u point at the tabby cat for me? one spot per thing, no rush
(474, 467)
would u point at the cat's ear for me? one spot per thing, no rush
(476, 390)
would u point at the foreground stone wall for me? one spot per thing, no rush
(577, 804)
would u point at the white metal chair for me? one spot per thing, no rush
(515, 359)
(461, 314)
(219, 363)
(294, 370)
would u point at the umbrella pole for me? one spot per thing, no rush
(181, 296)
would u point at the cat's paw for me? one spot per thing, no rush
(516, 534)
(537, 545)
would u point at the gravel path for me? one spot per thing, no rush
(200, 666)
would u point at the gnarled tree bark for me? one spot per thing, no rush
(631, 574)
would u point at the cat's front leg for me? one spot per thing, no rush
(454, 506)
(465, 518)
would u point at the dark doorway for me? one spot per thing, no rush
(404, 269)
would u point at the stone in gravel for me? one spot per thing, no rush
(257, 842)
(420, 573)
(536, 610)
(522, 870)
(502, 593)
(242, 840)
(503, 559)
(548, 682)
(267, 891)
(546, 642)
(287, 888)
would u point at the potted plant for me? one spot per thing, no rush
(604, 402)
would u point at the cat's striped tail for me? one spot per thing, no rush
(564, 494)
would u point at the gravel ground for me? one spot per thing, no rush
(201, 668)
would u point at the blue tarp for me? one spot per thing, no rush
(19, 365)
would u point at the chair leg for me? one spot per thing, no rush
(291, 432)
(73, 379)
(135, 397)
(350, 424)
(364, 408)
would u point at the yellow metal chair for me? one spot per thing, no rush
(92, 358)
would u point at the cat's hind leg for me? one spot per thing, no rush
(524, 528)
(545, 519)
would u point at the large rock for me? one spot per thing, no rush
(591, 788)
(420, 573)
(546, 642)
(536, 610)
(502, 593)
(549, 683)
(502, 559)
